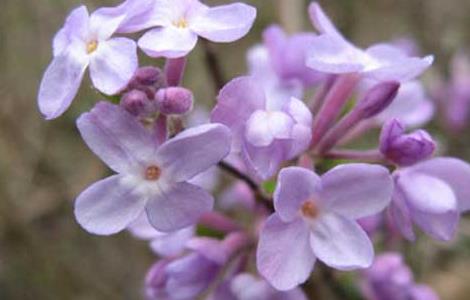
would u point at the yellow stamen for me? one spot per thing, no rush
(181, 23)
(309, 209)
(91, 47)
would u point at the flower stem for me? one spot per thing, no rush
(174, 70)
(213, 65)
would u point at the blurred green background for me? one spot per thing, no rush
(44, 165)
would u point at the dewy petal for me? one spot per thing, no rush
(225, 23)
(116, 137)
(61, 82)
(432, 204)
(330, 54)
(454, 172)
(169, 42)
(108, 206)
(76, 26)
(284, 256)
(178, 206)
(341, 243)
(294, 186)
(357, 190)
(113, 65)
(237, 100)
(193, 151)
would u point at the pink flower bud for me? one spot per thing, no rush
(405, 149)
(378, 98)
(148, 75)
(136, 102)
(174, 100)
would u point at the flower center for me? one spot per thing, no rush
(181, 23)
(91, 46)
(152, 173)
(309, 209)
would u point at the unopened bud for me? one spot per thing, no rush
(405, 149)
(148, 75)
(136, 102)
(378, 98)
(174, 100)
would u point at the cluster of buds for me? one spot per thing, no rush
(291, 203)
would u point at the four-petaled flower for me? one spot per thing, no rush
(85, 40)
(316, 218)
(151, 177)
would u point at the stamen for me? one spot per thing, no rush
(309, 209)
(181, 23)
(152, 173)
(91, 46)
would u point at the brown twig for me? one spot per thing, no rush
(213, 65)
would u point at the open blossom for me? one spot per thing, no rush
(332, 53)
(165, 244)
(266, 131)
(85, 40)
(431, 194)
(151, 177)
(405, 149)
(316, 217)
(389, 278)
(179, 23)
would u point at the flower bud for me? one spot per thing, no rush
(377, 99)
(148, 75)
(405, 149)
(135, 102)
(174, 100)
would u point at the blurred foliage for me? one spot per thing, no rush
(44, 165)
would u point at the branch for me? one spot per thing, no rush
(213, 64)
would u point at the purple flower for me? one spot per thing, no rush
(316, 218)
(288, 54)
(247, 287)
(411, 106)
(389, 278)
(162, 243)
(85, 40)
(266, 131)
(180, 22)
(431, 194)
(332, 53)
(405, 149)
(150, 177)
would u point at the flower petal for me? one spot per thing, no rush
(113, 65)
(294, 186)
(283, 265)
(116, 136)
(193, 151)
(108, 206)
(61, 81)
(321, 21)
(357, 190)
(229, 110)
(172, 244)
(265, 161)
(76, 25)
(341, 243)
(432, 204)
(330, 54)
(454, 172)
(177, 207)
(400, 215)
(169, 42)
(225, 23)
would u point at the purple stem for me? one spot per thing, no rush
(319, 97)
(174, 70)
(161, 129)
(218, 222)
(359, 130)
(334, 101)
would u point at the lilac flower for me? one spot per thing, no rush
(180, 22)
(332, 53)
(162, 243)
(151, 177)
(405, 149)
(431, 194)
(85, 40)
(288, 54)
(247, 287)
(266, 131)
(316, 218)
(411, 106)
(390, 279)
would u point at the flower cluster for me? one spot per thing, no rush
(300, 195)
